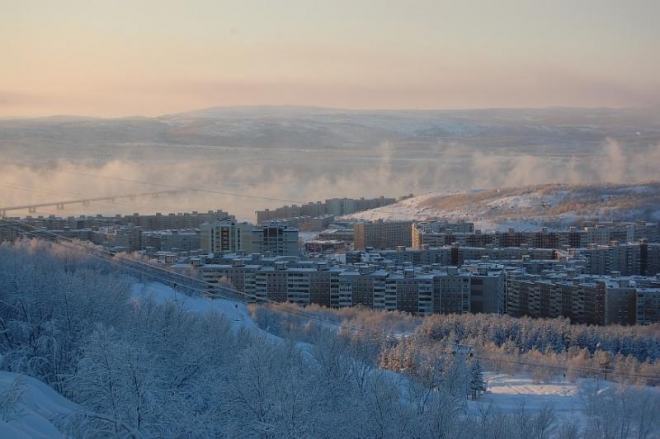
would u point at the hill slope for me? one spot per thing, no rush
(554, 205)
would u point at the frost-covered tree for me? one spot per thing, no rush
(120, 380)
(50, 299)
(621, 412)
(477, 383)
(10, 399)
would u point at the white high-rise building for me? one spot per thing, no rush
(225, 235)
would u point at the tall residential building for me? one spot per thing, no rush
(225, 235)
(451, 292)
(275, 239)
(647, 305)
(627, 259)
(486, 288)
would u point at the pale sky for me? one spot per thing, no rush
(141, 57)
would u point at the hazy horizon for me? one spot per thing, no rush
(327, 110)
(150, 58)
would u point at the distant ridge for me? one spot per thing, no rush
(424, 133)
(254, 111)
(551, 115)
(261, 111)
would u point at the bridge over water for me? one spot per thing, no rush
(32, 208)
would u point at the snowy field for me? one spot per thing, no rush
(511, 392)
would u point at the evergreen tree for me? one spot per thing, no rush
(477, 383)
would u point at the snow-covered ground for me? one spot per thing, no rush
(36, 410)
(511, 392)
(236, 312)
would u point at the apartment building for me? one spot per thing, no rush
(324, 286)
(225, 235)
(228, 235)
(334, 207)
(588, 299)
(274, 239)
(271, 284)
(158, 221)
(421, 290)
(8, 232)
(127, 238)
(171, 240)
(560, 290)
(450, 255)
(486, 287)
(647, 305)
(649, 259)
(442, 233)
(451, 289)
(382, 234)
(629, 259)
(640, 258)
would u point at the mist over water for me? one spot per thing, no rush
(241, 181)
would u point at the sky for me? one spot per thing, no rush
(122, 58)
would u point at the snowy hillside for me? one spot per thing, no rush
(528, 208)
(31, 409)
(235, 312)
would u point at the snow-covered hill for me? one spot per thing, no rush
(236, 312)
(31, 409)
(528, 208)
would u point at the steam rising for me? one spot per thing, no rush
(240, 181)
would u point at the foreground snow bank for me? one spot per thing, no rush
(30, 409)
